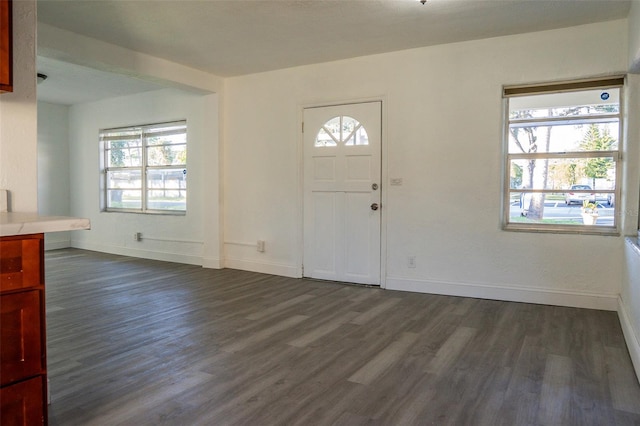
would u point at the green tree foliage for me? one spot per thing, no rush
(116, 153)
(516, 176)
(595, 140)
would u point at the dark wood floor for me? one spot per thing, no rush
(139, 342)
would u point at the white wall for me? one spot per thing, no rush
(634, 37)
(175, 238)
(629, 311)
(53, 168)
(443, 121)
(18, 115)
(629, 307)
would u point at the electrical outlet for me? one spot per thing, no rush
(261, 246)
(137, 236)
(411, 261)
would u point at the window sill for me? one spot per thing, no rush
(634, 243)
(148, 212)
(573, 229)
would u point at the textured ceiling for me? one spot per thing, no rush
(237, 37)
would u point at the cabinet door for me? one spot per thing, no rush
(22, 404)
(6, 47)
(21, 354)
(20, 265)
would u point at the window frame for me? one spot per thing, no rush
(510, 92)
(143, 168)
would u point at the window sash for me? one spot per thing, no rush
(554, 121)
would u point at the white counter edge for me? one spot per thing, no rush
(18, 223)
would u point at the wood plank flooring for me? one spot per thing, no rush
(140, 342)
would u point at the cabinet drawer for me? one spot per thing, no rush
(21, 353)
(23, 403)
(20, 262)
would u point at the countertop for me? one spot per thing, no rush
(17, 223)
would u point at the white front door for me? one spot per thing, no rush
(342, 171)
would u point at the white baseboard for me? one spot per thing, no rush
(607, 302)
(631, 336)
(145, 254)
(263, 267)
(212, 263)
(56, 245)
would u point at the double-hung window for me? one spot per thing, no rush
(145, 168)
(562, 156)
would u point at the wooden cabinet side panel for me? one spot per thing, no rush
(6, 46)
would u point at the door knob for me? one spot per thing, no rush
(374, 206)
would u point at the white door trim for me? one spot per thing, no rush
(383, 187)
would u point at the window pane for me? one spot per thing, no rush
(166, 189)
(175, 133)
(348, 126)
(124, 179)
(550, 209)
(324, 139)
(581, 103)
(124, 199)
(359, 137)
(167, 200)
(598, 173)
(333, 127)
(124, 154)
(167, 155)
(166, 139)
(563, 138)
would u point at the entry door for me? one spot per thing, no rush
(342, 170)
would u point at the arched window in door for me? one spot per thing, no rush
(342, 130)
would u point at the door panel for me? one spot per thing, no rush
(324, 242)
(357, 232)
(342, 161)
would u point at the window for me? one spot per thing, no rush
(562, 154)
(145, 168)
(342, 130)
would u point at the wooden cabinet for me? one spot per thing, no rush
(6, 46)
(23, 364)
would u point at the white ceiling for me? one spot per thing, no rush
(70, 84)
(236, 37)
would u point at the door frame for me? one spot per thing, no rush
(383, 178)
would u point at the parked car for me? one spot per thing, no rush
(601, 198)
(611, 200)
(579, 197)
